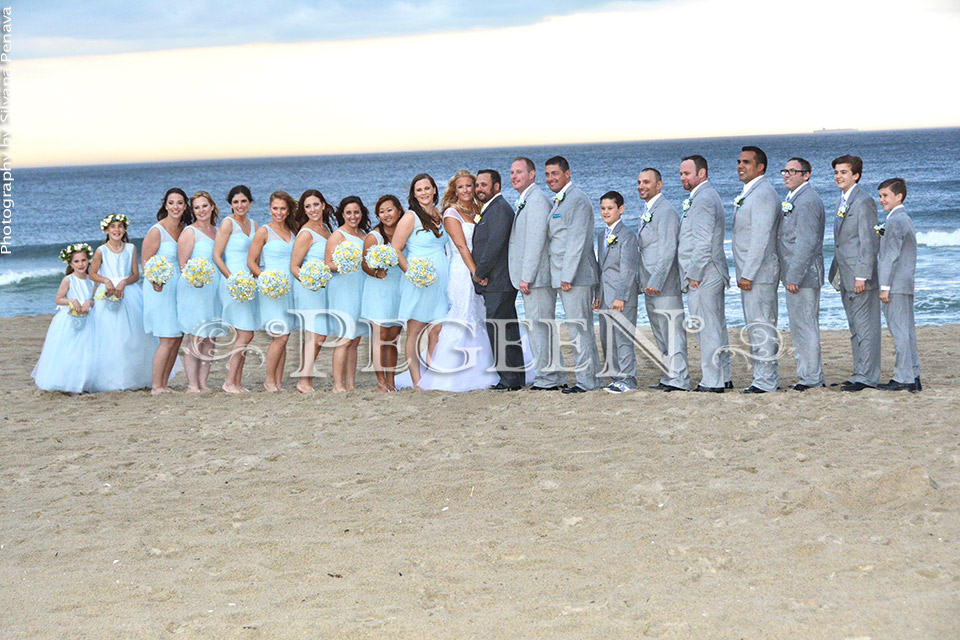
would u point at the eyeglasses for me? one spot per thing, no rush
(791, 172)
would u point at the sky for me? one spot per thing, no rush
(108, 81)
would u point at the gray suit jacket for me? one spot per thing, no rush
(754, 237)
(570, 235)
(856, 243)
(702, 228)
(659, 267)
(898, 253)
(618, 267)
(800, 240)
(529, 254)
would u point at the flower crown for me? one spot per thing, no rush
(67, 252)
(114, 217)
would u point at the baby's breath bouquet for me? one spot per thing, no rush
(241, 286)
(315, 275)
(158, 270)
(347, 257)
(421, 272)
(198, 272)
(273, 284)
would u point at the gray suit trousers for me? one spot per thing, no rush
(803, 309)
(619, 356)
(899, 315)
(863, 316)
(540, 312)
(760, 314)
(578, 307)
(706, 305)
(665, 314)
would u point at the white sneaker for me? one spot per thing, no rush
(617, 387)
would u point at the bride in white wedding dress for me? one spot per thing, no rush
(462, 360)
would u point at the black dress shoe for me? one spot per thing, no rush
(576, 389)
(893, 385)
(666, 387)
(702, 389)
(754, 389)
(556, 388)
(804, 387)
(502, 387)
(841, 384)
(856, 386)
(916, 381)
(728, 384)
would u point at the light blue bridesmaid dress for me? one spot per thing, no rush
(274, 312)
(239, 315)
(307, 300)
(124, 351)
(381, 298)
(67, 360)
(160, 307)
(429, 303)
(346, 296)
(198, 310)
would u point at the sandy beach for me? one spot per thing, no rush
(491, 515)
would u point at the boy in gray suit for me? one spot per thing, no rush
(853, 271)
(897, 268)
(616, 297)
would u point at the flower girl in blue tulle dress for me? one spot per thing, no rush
(67, 359)
(124, 351)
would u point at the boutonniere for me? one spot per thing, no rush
(647, 217)
(880, 228)
(842, 211)
(738, 201)
(612, 240)
(559, 197)
(520, 204)
(477, 218)
(686, 204)
(787, 207)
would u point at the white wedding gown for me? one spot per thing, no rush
(463, 360)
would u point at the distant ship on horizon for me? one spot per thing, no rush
(836, 131)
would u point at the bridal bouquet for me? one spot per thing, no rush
(382, 256)
(315, 275)
(421, 272)
(273, 284)
(347, 257)
(198, 272)
(158, 270)
(241, 286)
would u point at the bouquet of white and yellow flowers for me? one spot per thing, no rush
(273, 284)
(241, 286)
(198, 272)
(347, 257)
(112, 301)
(158, 270)
(421, 272)
(315, 275)
(382, 256)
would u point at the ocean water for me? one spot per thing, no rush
(56, 206)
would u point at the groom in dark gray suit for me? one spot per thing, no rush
(491, 241)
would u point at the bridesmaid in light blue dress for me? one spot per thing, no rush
(230, 250)
(346, 293)
(381, 296)
(160, 301)
(274, 243)
(67, 360)
(198, 310)
(124, 351)
(420, 235)
(311, 244)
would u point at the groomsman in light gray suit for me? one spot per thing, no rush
(800, 249)
(573, 268)
(660, 280)
(854, 270)
(756, 217)
(529, 260)
(704, 272)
